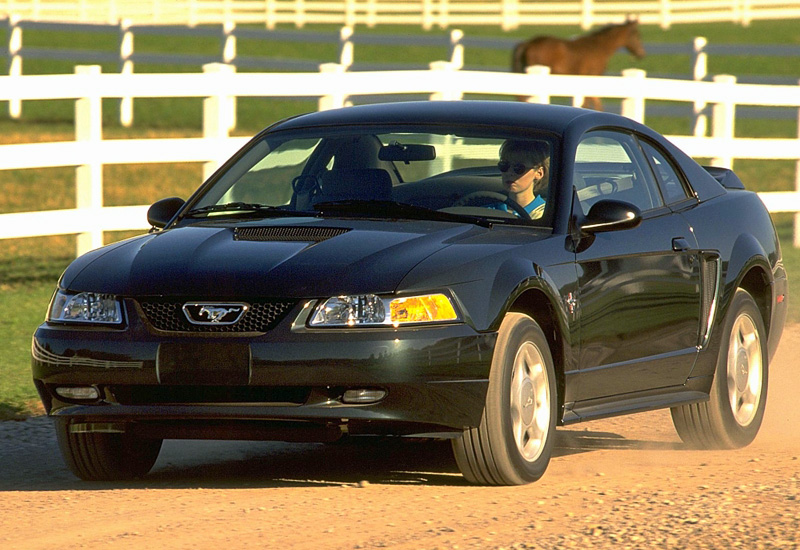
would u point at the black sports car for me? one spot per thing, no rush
(477, 271)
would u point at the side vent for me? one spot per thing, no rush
(710, 281)
(287, 234)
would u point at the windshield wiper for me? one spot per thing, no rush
(240, 207)
(392, 209)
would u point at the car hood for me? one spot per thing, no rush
(279, 258)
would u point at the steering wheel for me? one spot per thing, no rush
(305, 183)
(488, 197)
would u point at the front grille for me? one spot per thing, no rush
(261, 316)
(290, 234)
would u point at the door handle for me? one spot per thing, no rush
(679, 244)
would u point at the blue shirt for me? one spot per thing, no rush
(529, 208)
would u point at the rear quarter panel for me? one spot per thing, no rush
(738, 226)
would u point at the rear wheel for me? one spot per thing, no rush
(106, 456)
(514, 441)
(732, 416)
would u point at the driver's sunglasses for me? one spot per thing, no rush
(517, 167)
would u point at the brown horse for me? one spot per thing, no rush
(587, 54)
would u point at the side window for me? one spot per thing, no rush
(668, 176)
(610, 165)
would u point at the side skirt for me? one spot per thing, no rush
(696, 390)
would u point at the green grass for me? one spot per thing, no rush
(28, 300)
(31, 267)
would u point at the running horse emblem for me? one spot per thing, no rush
(585, 55)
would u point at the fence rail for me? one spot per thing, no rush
(507, 14)
(228, 34)
(126, 57)
(89, 151)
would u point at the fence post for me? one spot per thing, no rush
(336, 99)
(89, 177)
(228, 42)
(350, 13)
(456, 49)
(269, 14)
(372, 13)
(723, 118)
(747, 16)
(345, 47)
(509, 15)
(216, 114)
(125, 67)
(586, 14)
(542, 71)
(665, 14)
(700, 72)
(444, 14)
(633, 105)
(427, 14)
(228, 55)
(299, 13)
(192, 15)
(113, 12)
(797, 186)
(14, 61)
(444, 95)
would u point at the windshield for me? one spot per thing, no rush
(365, 173)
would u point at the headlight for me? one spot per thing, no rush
(372, 310)
(85, 307)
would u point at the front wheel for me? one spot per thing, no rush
(514, 441)
(732, 416)
(106, 456)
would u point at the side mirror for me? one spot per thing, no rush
(610, 215)
(161, 212)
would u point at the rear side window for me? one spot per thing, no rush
(669, 179)
(610, 165)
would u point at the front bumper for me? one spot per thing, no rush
(271, 385)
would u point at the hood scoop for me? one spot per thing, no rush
(287, 234)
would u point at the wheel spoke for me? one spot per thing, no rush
(530, 401)
(745, 370)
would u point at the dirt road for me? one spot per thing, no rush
(619, 483)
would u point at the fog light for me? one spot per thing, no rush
(363, 396)
(78, 393)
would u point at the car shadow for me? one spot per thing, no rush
(356, 461)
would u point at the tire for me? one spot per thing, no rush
(514, 441)
(106, 456)
(733, 414)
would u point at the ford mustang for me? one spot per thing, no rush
(482, 272)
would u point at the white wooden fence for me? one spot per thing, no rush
(89, 151)
(228, 33)
(508, 14)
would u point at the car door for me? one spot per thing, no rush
(638, 288)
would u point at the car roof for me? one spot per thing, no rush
(543, 117)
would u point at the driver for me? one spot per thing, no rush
(525, 166)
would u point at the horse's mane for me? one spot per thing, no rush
(610, 27)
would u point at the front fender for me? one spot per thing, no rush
(517, 278)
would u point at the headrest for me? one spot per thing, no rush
(364, 184)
